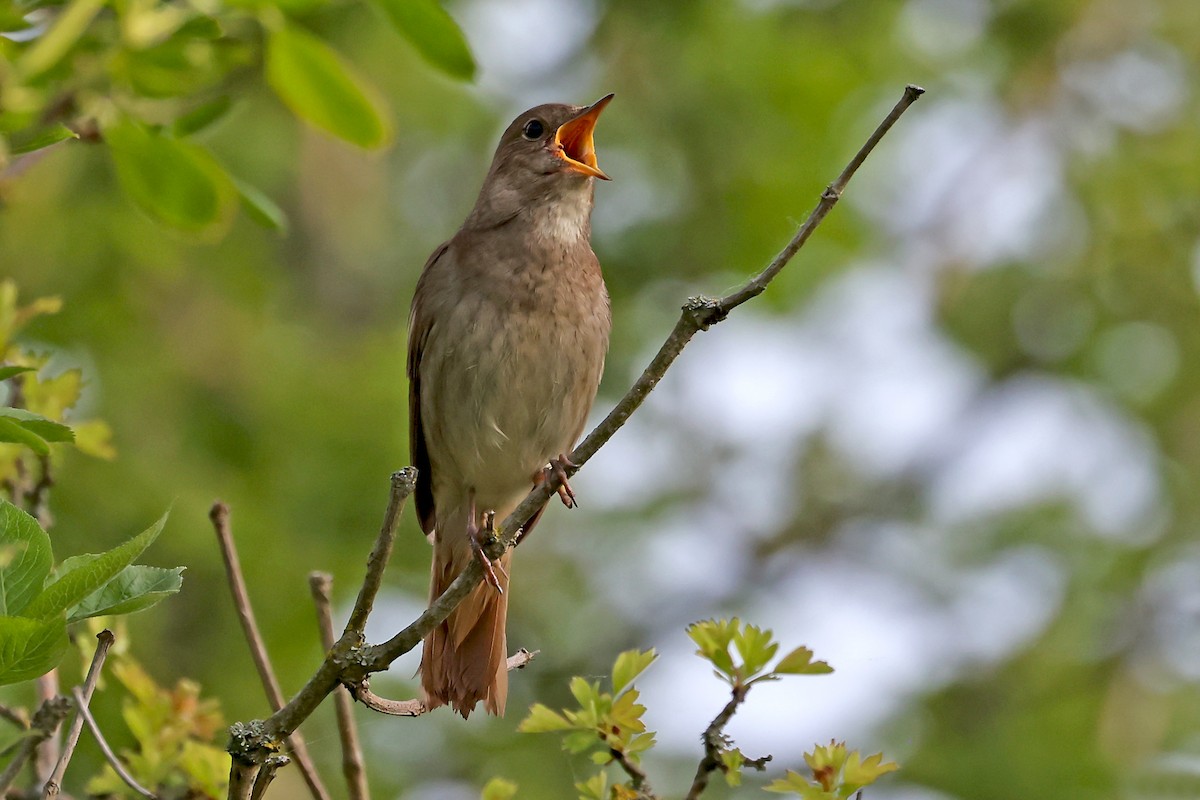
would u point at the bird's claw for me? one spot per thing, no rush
(558, 468)
(480, 537)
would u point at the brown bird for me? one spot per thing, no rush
(507, 337)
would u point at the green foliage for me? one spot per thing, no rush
(837, 773)
(499, 789)
(35, 608)
(752, 649)
(143, 77)
(607, 724)
(175, 731)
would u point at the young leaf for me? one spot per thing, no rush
(42, 137)
(800, 662)
(318, 86)
(174, 181)
(755, 647)
(542, 719)
(85, 575)
(860, 772)
(200, 117)
(30, 647)
(135, 588)
(594, 788)
(434, 33)
(628, 666)
(25, 559)
(731, 761)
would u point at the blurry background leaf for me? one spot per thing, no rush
(319, 86)
(434, 33)
(30, 647)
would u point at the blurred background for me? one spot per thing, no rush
(954, 449)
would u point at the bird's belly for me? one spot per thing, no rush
(523, 388)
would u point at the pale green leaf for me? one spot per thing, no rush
(800, 662)
(628, 666)
(542, 719)
(135, 588)
(499, 789)
(434, 34)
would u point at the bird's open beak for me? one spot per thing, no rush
(574, 139)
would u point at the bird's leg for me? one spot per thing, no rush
(558, 469)
(478, 537)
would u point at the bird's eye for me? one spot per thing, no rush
(533, 129)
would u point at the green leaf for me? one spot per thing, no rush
(542, 719)
(8, 372)
(755, 647)
(860, 772)
(135, 588)
(580, 741)
(176, 182)
(30, 647)
(628, 666)
(43, 428)
(800, 662)
(586, 694)
(732, 761)
(713, 637)
(499, 789)
(434, 33)
(25, 559)
(594, 788)
(318, 86)
(13, 432)
(40, 138)
(84, 575)
(261, 208)
(201, 116)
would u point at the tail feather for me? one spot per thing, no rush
(465, 660)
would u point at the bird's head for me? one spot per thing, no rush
(552, 140)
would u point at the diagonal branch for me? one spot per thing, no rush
(104, 640)
(81, 705)
(348, 662)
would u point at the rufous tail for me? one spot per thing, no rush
(465, 660)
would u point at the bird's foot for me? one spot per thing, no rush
(479, 537)
(558, 469)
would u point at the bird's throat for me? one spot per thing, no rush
(565, 220)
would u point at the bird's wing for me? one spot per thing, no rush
(419, 326)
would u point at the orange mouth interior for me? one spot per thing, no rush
(574, 138)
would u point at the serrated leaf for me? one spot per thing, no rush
(793, 783)
(499, 789)
(30, 647)
(756, 648)
(542, 719)
(135, 588)
(434, 34)
(87, 575)
(176, 182)
(586, 694)
(260, 208)
(628, 666)
(320, 87)
(43, 428)
(800, 662)
(860, 772)
(25, 559)
(13, 432)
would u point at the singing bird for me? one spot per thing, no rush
(507, 338)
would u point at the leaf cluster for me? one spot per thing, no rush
(837, 773)
(145, 77)
(741, 652)
(606, 723)
(37, 602)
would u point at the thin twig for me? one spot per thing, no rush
(403, 484)
(48, 750)
(715, 742)
(219, 514)
(255, 741)
(637, 776)
(17, 716)
(361, 690)
(321, 586)
(104, 640)
(266, 775)
(81, 707)
(46, 721)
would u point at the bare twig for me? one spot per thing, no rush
(321, 586)
(715, 742)
(241, 778)
(219, 514)
(104, 640)
(81, 708)
(17, 716)
(46, 721)
(47, 751)
(266, 775)
(637, 776)
(403, 483)
(349, 662)
(415, 708)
